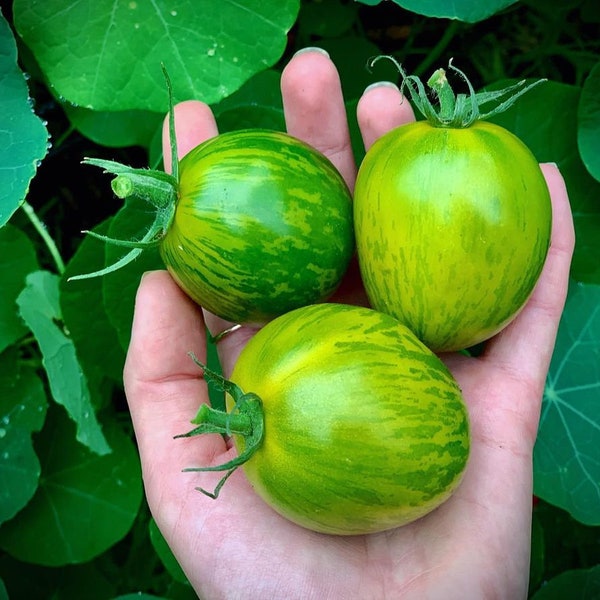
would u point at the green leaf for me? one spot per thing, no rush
(116, 129)
(164, 552)
(546, 120)
(17, 260)
(3, 592)
(589, 122)
(119, 288)
(209, 48)
(22, 411)
(26, 581)
(39, 307)
(583, 584)
(470, 11)
(566, 457)
(98, 348)
(23, 137)
(85, 502)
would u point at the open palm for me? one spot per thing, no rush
(475, 546)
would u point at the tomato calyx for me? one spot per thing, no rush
(245, 419)
(456, 110)
(158, 188)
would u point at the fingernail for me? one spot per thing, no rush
(312, 49)
(381, 84)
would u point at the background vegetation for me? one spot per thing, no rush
(84, 79)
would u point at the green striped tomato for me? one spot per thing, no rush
(262, 225)
(452, 229)
(365, 428)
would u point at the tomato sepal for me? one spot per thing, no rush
(456, 110)
(245, 419)
(156, 187)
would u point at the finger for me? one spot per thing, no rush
(314, 108)
(167, 325)
(528, 342)
(194, 123)
(164, 387)
(380, 109)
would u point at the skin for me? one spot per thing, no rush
(475, 546)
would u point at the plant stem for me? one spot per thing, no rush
(438, 82)
(41, 229)
(224, 422)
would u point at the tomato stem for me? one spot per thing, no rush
(461, 110)
(245, 419)
(438, 82)
(156, 187)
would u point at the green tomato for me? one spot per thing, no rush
(263, 225)
(251, 224)
(452, 229)
(356, 427)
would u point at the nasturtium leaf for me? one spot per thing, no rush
(115, 129)
(85, 502)
(120, 287)
(81, 302)
(107, 55)
(23, 136)
(39, 306)
(551, 134)
(470, 11)
(17, 260)
(589, 122)
(566, 456)
(22, 411)
(164, 552)
(19, 471)
(583, 584)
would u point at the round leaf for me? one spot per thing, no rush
(470, 11)
(96, 342)
(120, 287)
(23, 137)
(566, 457)
(209, 48)
(85, 502)
(589, 122)
(551, 134)
(22, 411)
(116, 129)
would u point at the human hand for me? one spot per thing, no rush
(475, 546)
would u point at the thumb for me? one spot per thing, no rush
(164, 387)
